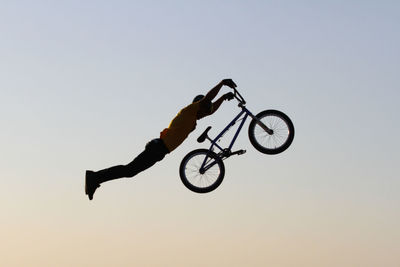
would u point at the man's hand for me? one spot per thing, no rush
(229, 82)
(228, 96)
(214, 91)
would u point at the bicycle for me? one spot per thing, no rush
(270, 132)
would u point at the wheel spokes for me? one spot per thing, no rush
(278, 138)
(194, 176)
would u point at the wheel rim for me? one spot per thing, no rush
(280, 136)
(193, 175)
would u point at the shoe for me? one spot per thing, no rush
(90, 184)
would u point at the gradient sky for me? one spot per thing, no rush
(85, 84)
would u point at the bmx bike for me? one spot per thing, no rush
(270, 132)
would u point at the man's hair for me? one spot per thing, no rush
(197, 98)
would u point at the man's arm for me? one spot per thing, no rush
(218, 103)
(214, 91)
(206, 103)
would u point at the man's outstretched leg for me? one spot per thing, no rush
(155, 151)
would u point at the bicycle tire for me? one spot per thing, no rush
(189, 171)
(281, 138)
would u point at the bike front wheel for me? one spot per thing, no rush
(202, 171)
(282, 132)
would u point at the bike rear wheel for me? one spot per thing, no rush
(279, 140)
(202, 180)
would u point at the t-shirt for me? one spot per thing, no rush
(180, 127)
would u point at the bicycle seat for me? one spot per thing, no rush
(203, 136)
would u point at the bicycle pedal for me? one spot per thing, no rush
(239, 152)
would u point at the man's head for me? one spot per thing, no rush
(197, 98)
(205, 106)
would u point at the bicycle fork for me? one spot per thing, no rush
(261, 124)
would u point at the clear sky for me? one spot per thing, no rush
(85, 84)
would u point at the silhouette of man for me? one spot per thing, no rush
(170, 138)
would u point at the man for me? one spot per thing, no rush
(170, 138)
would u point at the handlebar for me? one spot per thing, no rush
(238, 96)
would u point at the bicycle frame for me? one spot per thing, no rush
(225, 153)
(233, 122)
